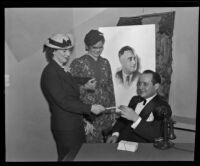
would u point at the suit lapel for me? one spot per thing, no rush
(70, 80)
(144, 114)
(120, 76)
(66, 76)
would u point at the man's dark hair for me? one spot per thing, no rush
(128, 48)
(125, 48)
(155, 76)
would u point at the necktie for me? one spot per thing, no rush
(143, 100)
(128, 79)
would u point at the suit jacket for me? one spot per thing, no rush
(146, 131)
(119, 76)
(63, 96)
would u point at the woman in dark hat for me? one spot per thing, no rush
(62, 93)
(93, 65)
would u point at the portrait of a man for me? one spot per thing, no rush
(130, 64)
(130, 50)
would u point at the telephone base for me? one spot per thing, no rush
(163, 145)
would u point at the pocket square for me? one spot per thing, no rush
(150, 118)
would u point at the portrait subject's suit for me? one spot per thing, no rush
(146, 131)
(119, 77)
(63, 96)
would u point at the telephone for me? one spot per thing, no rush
(168, 128)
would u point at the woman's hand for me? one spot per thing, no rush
(91, 84)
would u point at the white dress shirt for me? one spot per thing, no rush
(139, 107)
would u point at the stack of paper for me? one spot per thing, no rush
(127, 146)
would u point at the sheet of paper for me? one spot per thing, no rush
(113, 109)
(127, 146)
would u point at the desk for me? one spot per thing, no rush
(145, 152)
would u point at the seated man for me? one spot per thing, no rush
(142, 120)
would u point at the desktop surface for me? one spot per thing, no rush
(145, 152)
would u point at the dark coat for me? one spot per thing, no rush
(63, 96)
(145, 131)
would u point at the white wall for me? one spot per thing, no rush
(185, 63)
(28, 136)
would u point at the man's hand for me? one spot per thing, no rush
(112, 139)
(128, 113)
(97, 109)
(91, 84)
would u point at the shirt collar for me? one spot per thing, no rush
(150, 98)
(124, 75)
(60, 64)
(94, 58)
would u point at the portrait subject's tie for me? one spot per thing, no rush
(128, 80)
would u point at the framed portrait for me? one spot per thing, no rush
(141, 38)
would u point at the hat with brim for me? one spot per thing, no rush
(59, 41)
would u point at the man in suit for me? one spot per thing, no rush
(130, 66)
(142, 120)
(62, 93)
